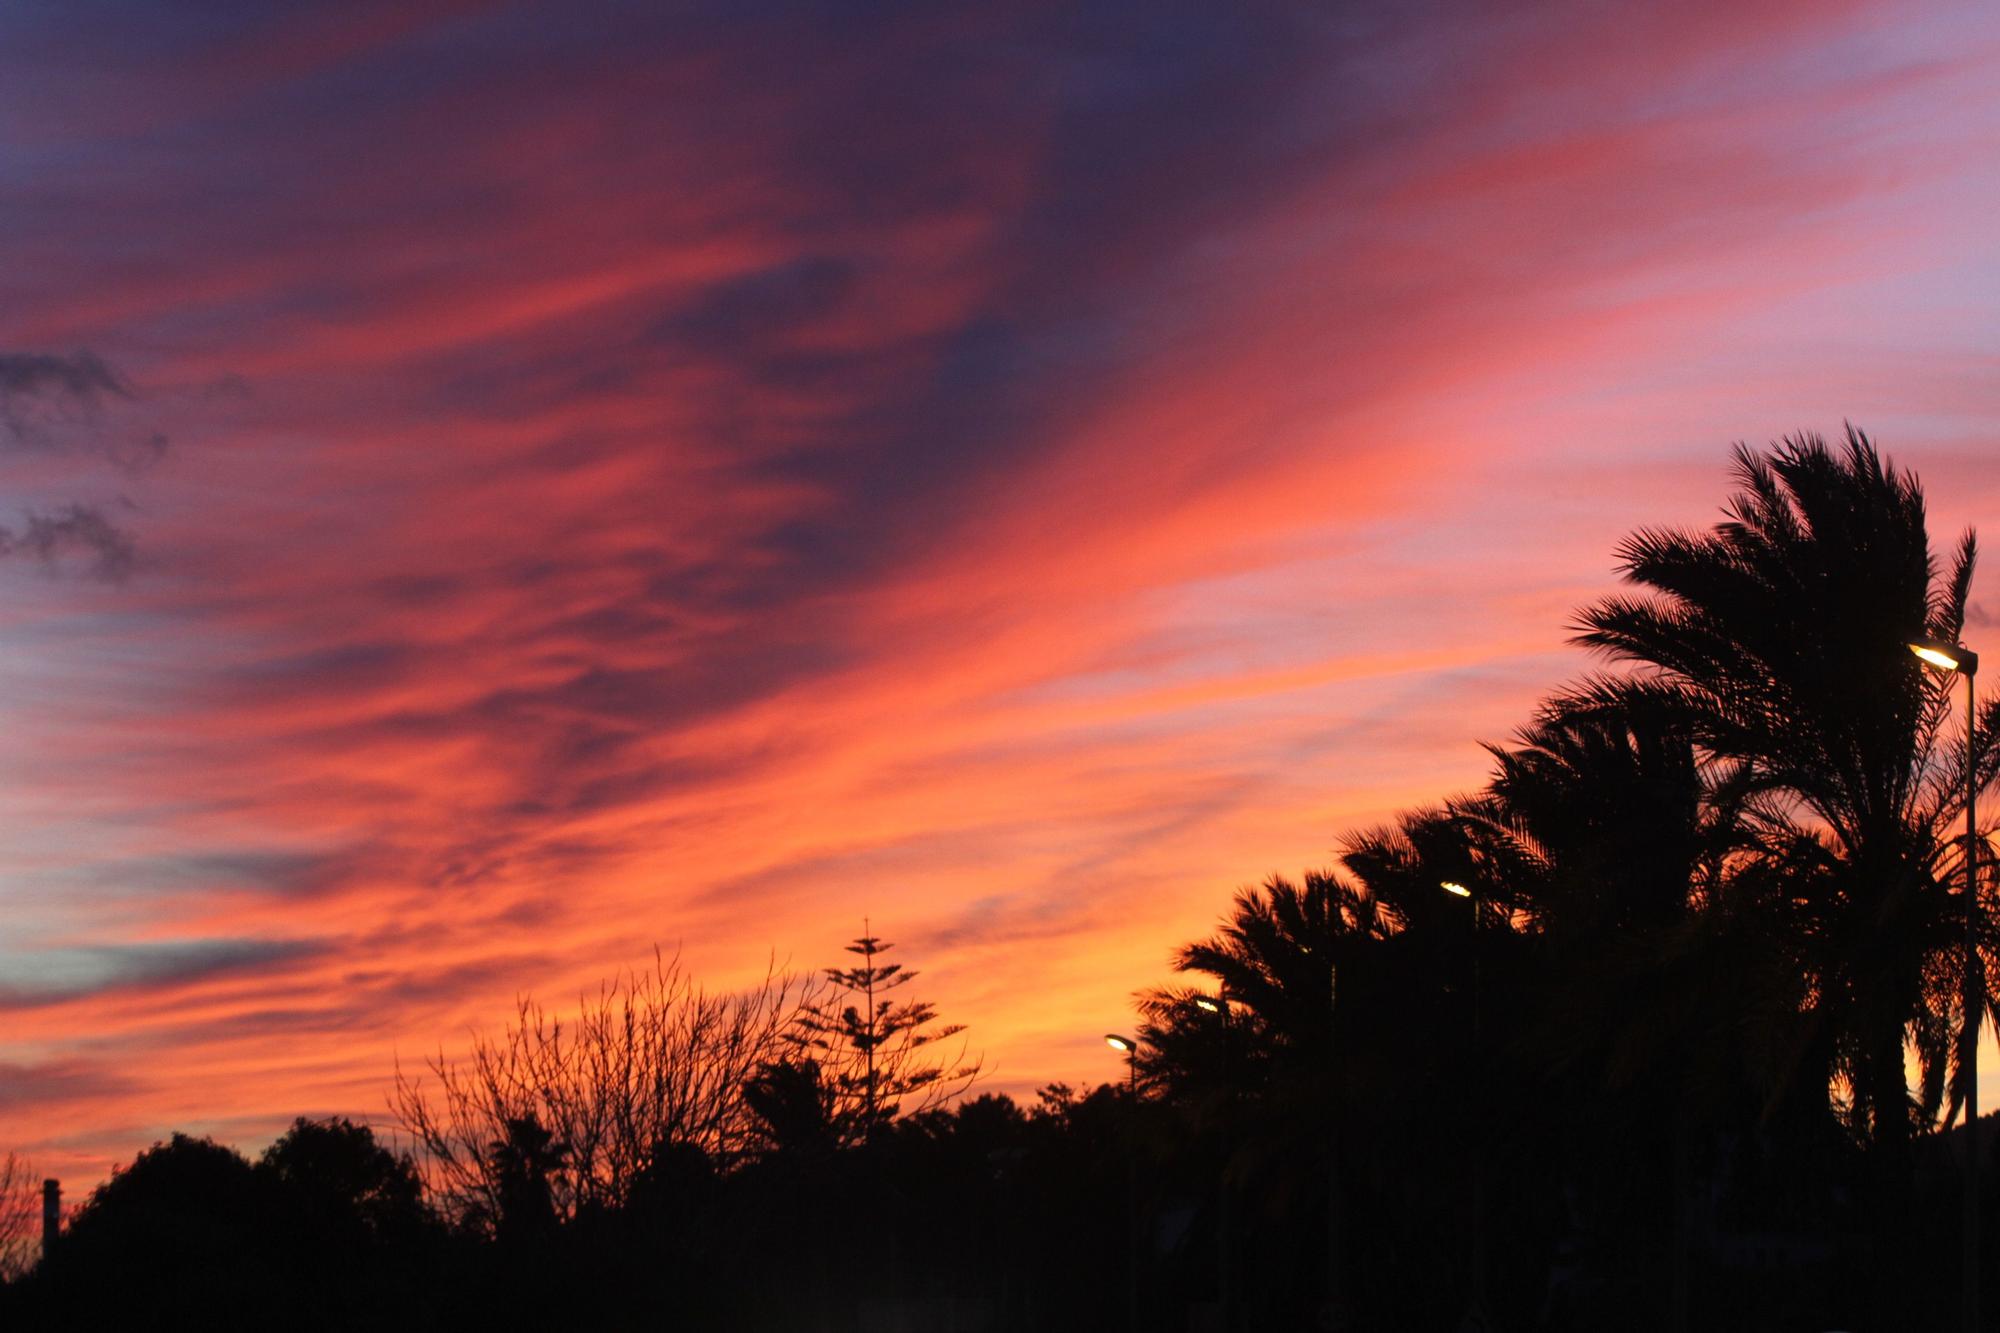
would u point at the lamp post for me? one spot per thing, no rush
(1217, 1006)
(1333, 1309)
(1957, 657)
(1475, 1312)
(1130, 1049)
(1458, 890)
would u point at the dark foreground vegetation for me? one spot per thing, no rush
(1675, 1051)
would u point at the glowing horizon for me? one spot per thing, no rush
(699, 483)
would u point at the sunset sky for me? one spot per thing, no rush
(496, 488)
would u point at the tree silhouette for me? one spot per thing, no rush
(342, 1176)
(20, 1216)
(1620, 838)
(188, 1235)
(652, 1058)
(1275, 963)
(1268, 1060)
(358, 1236)
(796, 1108)
(524, 1165)
(1780, 638)
(874, 1050)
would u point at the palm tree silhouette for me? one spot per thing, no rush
(1260, 1058)
(1779, 637)
(525, 1166)
(1618, 838)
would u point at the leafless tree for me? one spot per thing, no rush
(20, 1216)
(651, 1060)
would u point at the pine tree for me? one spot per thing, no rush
(871, 1044)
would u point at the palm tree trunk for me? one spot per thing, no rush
(1888, 1101)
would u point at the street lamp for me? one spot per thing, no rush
(1957, 657)
(1130, 1048)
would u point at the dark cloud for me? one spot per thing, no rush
(279, 872)
(303, 1022)
(136, 453)
(420, 591)
(345, 668)
(401, 990)
(282, 872)
(25, 1087)
(31, 384)
(750, 313)
(53, 976)
(106, 551)
(49, 401)
(56, 403)
(1157, 130)
(1094, 144)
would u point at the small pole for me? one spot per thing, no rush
(51, 1214)
(1225, 1223)
(1334, 1313)
(1132, 1195)
(1129, 1047)
(1479, 1124)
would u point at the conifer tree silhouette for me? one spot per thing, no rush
(871, 1045)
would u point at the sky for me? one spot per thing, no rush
(492, 490)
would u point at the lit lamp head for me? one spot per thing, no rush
(1208, 1004)
(1454, 888)
(1946, 656)
(1118, 1043)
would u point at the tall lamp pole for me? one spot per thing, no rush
(1333, 1314)
(1225, 1290)
(1475, 1314)
(1957, 657)
(1130, 1047)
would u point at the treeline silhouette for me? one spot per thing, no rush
(1660, 1029)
